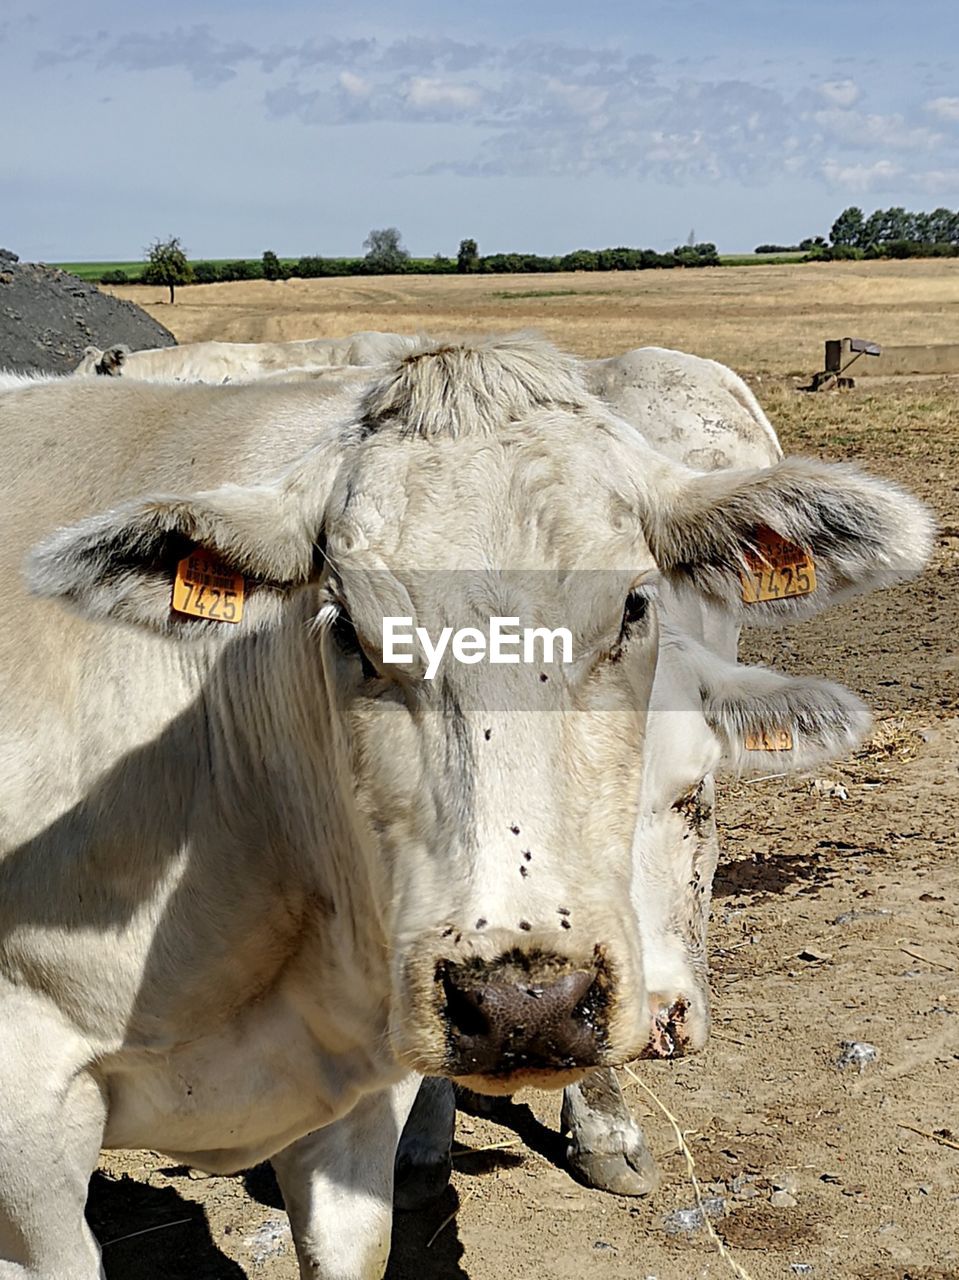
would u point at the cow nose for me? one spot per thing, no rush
(680, 1024)
(500, 1021)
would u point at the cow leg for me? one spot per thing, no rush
(52, 1116)
(424, 1159)
(338, 1187)
(607, 1149)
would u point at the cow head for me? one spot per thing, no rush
(707, 716)
(483, 819)
(107, 364)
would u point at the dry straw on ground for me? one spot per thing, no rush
(721, 1249)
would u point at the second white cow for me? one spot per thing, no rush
(217, 362)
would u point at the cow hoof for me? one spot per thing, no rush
(629, 1172)
(415, 1186)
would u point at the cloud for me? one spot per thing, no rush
(577, 99)
(552, 58)
(944, 108)
(209, 61)
(356, 99)
(433, 55)
(558, 108)
(860, 131)
(840, 93)
(354, 85)
(940, 182)
(327, 54)
(348, 100)
(690, 131)
(438, 97)
(861, 177)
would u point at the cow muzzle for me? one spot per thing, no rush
(680, 1024)
(522, 1019)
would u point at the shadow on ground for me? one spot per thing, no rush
(765, 874)
(425, 1246)
(152, 1233)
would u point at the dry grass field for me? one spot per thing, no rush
(835, 914)
(770, 319)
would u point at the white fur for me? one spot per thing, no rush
(219, 362)
(230, 868)
(13, 380)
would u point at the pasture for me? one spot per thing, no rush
(835, 905)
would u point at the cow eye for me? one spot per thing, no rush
(634, 612)
(344, 636)
(634, 620)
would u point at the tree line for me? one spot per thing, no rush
(885, 233)
(167, 263)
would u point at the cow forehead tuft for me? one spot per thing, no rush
(459, 388)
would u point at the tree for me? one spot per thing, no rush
(273, 268)
(167, 264)
(888, 224)
(579, 260)
(241, 269)
(900, 225)
(872, 228)
(467, 259)
(848, 228)
(921, 230)
(205, 273)
(384, 251)
(943, 226)
(703, 254)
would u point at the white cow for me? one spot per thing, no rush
(255, 879)
(217, 362)
(699, 413)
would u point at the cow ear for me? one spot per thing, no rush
(252, 542)
(773, 723)
(833, 530)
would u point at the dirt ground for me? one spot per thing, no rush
(836, 904)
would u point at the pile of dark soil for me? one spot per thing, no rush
(47, 317)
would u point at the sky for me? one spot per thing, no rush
(528, 125)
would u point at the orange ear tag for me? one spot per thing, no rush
(769, 740)
(205, 587)
(776, 569)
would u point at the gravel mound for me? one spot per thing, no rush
(47, 317)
